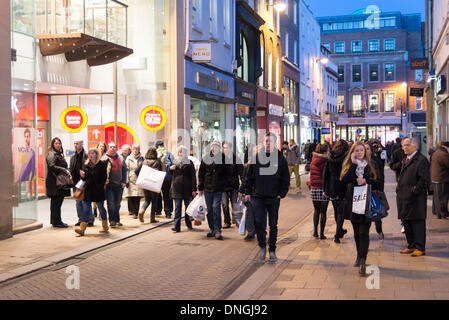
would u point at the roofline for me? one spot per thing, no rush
(397, 13)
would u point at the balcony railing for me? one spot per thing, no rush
(102, 19)
(356, 114)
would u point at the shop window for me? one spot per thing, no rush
(373, 72)
(356, 102)
(374, 103)
(357, 73)
(390, 72)
(22, 16)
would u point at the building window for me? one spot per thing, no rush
(270, 71)
(389, 102)
(374, 103)
(356, 46)
(243, 70)
(227, 21)
(286, 44)
(357, 73)
(295, 52)
(213, 18)
(419, 75)
(389, 72)
(196, 13)
(327, 45)
(390, 45)
(277, 89)
(295, 12)
(418, 104)
(373, 45)
(357, 102)
(341, 73)
(286, 8)
(373, 72)
(262, 59)
(339, 47)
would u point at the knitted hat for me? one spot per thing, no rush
(159, 143)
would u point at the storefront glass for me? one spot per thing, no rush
(357, 133)
(244, 124)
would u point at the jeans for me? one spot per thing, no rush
(249, 220)
(80, 211)
(178, 213)
(213, 203)
(228, 195)
(150, 198)
(262, 208)
(361, 237)
(295, 169)
(415, 232)
(55, 210)
(113, 199)
(87, 211)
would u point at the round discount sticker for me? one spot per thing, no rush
(73, 119)
(153, 118)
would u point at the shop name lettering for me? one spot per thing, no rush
(211, 82)
(73, 119)
(201, 52)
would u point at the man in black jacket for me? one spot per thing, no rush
(266, 183)
(397, 158)
(411, 191)
(76, 164)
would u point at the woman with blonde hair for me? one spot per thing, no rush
(94, 174)
(358, 170)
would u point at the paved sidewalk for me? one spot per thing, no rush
(311, 269)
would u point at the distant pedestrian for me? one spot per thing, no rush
(293, 156)
(183, 186)
(319, 199)
(76, 164)
(166, 159)
(266, 183)
(333, 187)
(94, 173)
(411, 192)
(440, 178)
(306, 150)
(56, 164)
(151, 198)
(358, 170)
(132, 192)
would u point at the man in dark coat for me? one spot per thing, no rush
(76, 164)
(411, 191)
(266, 183)
(439, 170)
(397, 158)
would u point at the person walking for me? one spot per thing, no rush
(56, 165)
(411, 192)
(151, 160)
(334, 188)
(166, 159)
(305, 150)
(315, 183)
(76, 164)
(266, 183)
(94, 173)
(101, 146)
(212, 181)
(230, 193)
(293, 156)
(439, 170)
(183, 186)
(358, 170)
(132, 192)
(116, 182)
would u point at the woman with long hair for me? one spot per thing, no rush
(358, 170)
(102, 148)
(94, 174)
(320, 201)
(333, 187)
(56, 165)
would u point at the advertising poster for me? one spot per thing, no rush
(24, 154)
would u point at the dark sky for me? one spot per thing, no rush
(321, 8)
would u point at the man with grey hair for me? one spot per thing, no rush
(411, 191)
(126, 151)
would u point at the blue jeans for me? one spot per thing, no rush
(226, 196)
(80, 211)
(87, 211)
(178, 213)
(213, 203)
(113, 199)
(262, 208)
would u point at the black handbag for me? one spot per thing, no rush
(382, 198)
(64, 182)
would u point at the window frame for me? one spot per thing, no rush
(386, 94)
(352, 46)
(344, 73)
(394, 71)
(369, 71)
(394, 44)
(378, 102)
(352, 73)
(344, 47)
(370, 41)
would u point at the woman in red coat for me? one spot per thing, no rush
(320, 201)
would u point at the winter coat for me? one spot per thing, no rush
(262, 185)
(56, 164)
(379, 165)
(292, 155)
(95, 177)
(183, 181)
(350, 181)
(439, 167)
(332, 185)
(213, 177)
(317, 170)
(132, 163)
(411, 191)
(76, 164)
(118, 171)
(396, 161)
(236, 173)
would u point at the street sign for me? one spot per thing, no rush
(325, 131)
(73, 119)
(153, 118)
(201, 52)
(359, 131)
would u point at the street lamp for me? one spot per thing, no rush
(278, 6)
(324, 60)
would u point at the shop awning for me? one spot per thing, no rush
(80, 46)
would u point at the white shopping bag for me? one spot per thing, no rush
(197, 208)
(242, 227)
(150, 179)
(383, 155)
(359, 199)
(237, 211)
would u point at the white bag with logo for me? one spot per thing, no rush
(359, 199)
(197, 208)
(150, 179)
(242, 226)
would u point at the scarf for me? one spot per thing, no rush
(361, 168)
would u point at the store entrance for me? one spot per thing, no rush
(42, 146)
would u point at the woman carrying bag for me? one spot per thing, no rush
(57, 170)
(358, 170)
(152, 161)
(183, 186)
(94, 174)
(103, 157)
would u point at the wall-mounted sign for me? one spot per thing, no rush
(276, 110)
(241, 109)
(153, 118)
(201, 52)
(260, 113)
(441, 84)
(419, 64)
(125, 135)
(212, 82)
(325, 131)
(246, 95)
(73, 119)
(417, 92)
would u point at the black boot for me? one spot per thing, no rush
(357, 262)
(95, 212)
(362, 270)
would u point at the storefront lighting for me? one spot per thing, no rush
(325, 60)
(404, 84)
(278, 6)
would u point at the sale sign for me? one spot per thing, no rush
(73, 119)
(153, 118)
